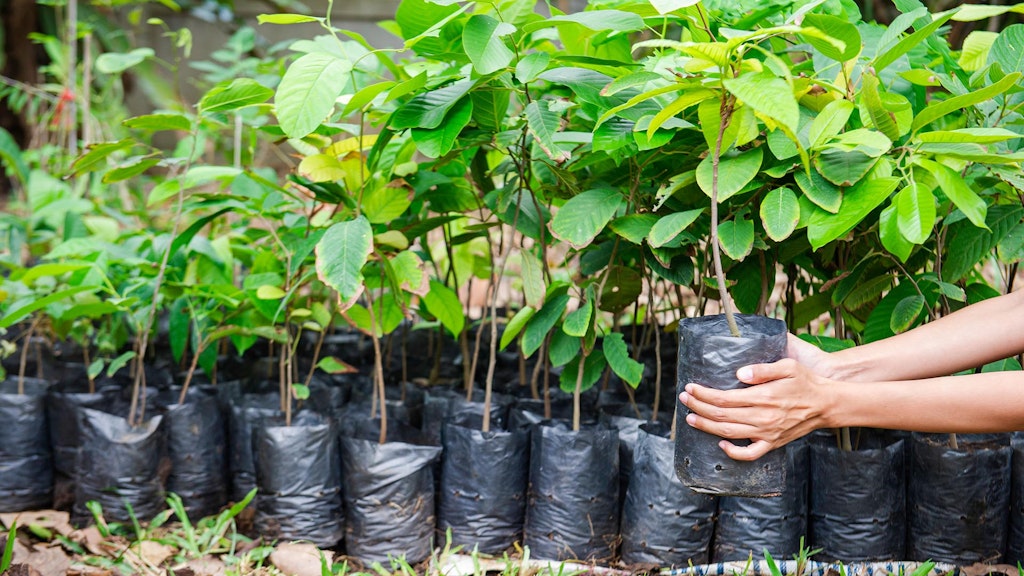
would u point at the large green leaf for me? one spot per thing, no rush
(957, 190)
(428, 110)
(116, 63)
(308, 91)
(906, 313)
(768, 95)
(515, 325)
(444, 305)
(239, 93)
(583, 217)
(593, 367)
(735, 171)
(95, 155)
(976, 48)
(687, 98)
(736, 237)
(563, 348)
(543, 124)
(621, 289)
(837, 29)
(881, 118)
(437, 142)
(830, 122)
(483, 41)
(155, 122)
(543, 321)
(596, 20)
(634, 227)
(843, 168)
(668, 227)
(780, 213)
(1008, 49)
(858, 202)
(915, 205)
(533, 279)
(906, 44)
(617, 354)
(664, 7)
(490, 108)
(937, 110)
(577, 322)
(890, 235)
(421, 22)
(340, 256)
(966, 245)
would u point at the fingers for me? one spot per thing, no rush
(726, 429)
(711, 396)
(761, 373)
(754, 451)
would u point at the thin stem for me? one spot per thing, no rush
(716, 253)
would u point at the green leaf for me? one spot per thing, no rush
(664, 7)
(428, 110)
(617, 354)
(119, 362)
(976, 49)
(366, 95)
(968, 135)
(780, 213)
(340, 256)
(915, 205)
(444, 305)
(585, 215)
(515, 325)
(96, 154)
(332, 365)
(178, 324)
(937, 110)
(907, 43)
(543, 124)
(286, 19)
(116, 63)
(973, 12)
(95, 368)
(957, 190)
(890, 235)
(966, 245)
(531, 66)
(563, 348)
(542, 322)
(830, 122)
(735, 171)
(308, 91)
(881, 118)
(621, 289)
(12, 317)
(1008, 49)
(596, 20)
(533, 279)
(482, 40)
(906, 313)
(268, 292)
(593, 367)
(241, 92)
(11, 155)
(843, 168)
(156, 122)
(670, 226)
(858, 202)
(577, 322)
(300, 391)
(437, 142)
(687, 98)
(736, 238)
(837, 29)
(490, 108)
(634, 227)
(767, 95)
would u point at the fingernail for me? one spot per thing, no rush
(689, 388)
(684, 397)
(691, 419)
(745, 373)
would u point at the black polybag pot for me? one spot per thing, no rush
(299, 478)
(389, 493)
(663, 522)
(752, 525)
(197, 447)
(119, 467)
(1015, 537)
(958, 499)
(442, 404)
(710, 356)
(26, 462)
(573, 504)
(63, 403)
(858, 499)
(242, 421)
(628, 428)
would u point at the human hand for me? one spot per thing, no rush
(786, 400)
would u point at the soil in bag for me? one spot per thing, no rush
(197, 447)
(298, 473)
(958, 500)
(119, 466)
(573, 502)
(752, 525)
(26, 462)
(663, 522)
(483, 484)
(1015, 537)
(858, 498)
(389, 493)
(709, 355)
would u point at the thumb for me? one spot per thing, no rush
(761, 373)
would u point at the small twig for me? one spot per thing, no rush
(723, 290)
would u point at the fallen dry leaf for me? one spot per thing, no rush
(299, 559)
(208, 566)
(49, 560)
(154, 552)
(54, 520)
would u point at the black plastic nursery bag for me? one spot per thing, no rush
(1015, 538)
(573, 506)
(26, 463)
(858, 499)
(958, 499)
(663, 522)
(243, 419)
(483, 485)
(119, 467)
(389, 493)
(709, 355)
(299, 478)
(197, 447)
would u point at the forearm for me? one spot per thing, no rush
(987, 402)
(984, 332)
